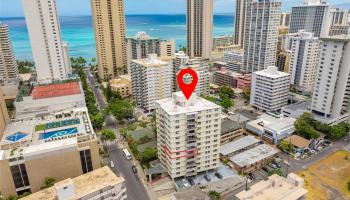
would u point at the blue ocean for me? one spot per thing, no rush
(78, 31)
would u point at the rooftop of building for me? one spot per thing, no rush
(122, 80)
(338, 38)
(253, 155)
(141, 35)
(45, 132)
(229, 125)
(237, 145)
(193, 193)
(151, 61)
(55, 90)
(272, 72)
(178, 104)
(272, 122)
(276, 187)
(298, 141)
(64, 88)
(83, 185)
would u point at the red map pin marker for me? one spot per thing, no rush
(187, 89)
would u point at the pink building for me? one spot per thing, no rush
(244, 81)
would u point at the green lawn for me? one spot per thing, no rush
(40, 127)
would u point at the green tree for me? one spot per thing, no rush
(226, 92)
(145, 139)
(107, 135)
(226, 103)
(276, 171)
(246, 94)
(338, 131)
(121, 109)
(286, 146)
(214, 195)
(25, 66)
(48, 182)
(304, 128)
(148, 155)
(97, 121)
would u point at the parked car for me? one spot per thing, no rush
(273, 166)
(191, 181)
(217, 174)
(251, 176)
(134, 169)
(265, 169)
(186, 183)
(206, 177)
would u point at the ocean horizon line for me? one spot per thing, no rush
(136, 14)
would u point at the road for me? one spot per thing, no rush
(134, 186)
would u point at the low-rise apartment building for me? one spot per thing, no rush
(270, 89)
(98, 184)
(122, 84)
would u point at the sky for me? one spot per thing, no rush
(13, 8)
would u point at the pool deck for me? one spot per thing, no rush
(28, 127)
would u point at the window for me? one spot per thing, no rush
(86, 164)
(19, 175)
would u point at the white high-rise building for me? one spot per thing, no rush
(270, 89)
(202, 70)
(188, 134)
(151, 80)
(180, 59)
(262, 21)
(331, 95)
(45, 39)
(199, 28)
(66, 57)
(304, 49)
(311, 17)
(8, 65)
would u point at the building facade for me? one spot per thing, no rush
(262, 21)
(122, 84)
(4, 115)
(98, 184)
(36, 148)
(109, 28)
(150, 79)
(270, 89)
(238, 37)
(199, 21)
(188, 138)
(304, 49)
(8, 65)
(310, 17)
(331, 97)
(282, 61)
(285, 20)
(234, 60)
(45, 39)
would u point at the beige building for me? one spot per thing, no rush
(33, 149)
(98, 184)
(8, 65)
(109, 25)
(238, 37)
(4, 116)
(276, 187)
(199, 28)
(122, 84)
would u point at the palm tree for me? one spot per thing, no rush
(107, 135)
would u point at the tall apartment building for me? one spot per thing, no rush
(180, 59)
(331, 95)
(304, 49)
(310, 17)
(141, 45)
(202, 70)
(188, 138)
(45, 39)
(283, 60)
(150, 79)
(238, 37)
(285, 20)
(8, 65)
(61, 145)
(339, 23)
(270, 89)
(109, 28)
(199, 28)
(4, 115)
(262, 23)
(98, 184)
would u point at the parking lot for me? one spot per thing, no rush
(315, 146)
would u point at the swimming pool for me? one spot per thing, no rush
(59, 133)
(16, 137)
